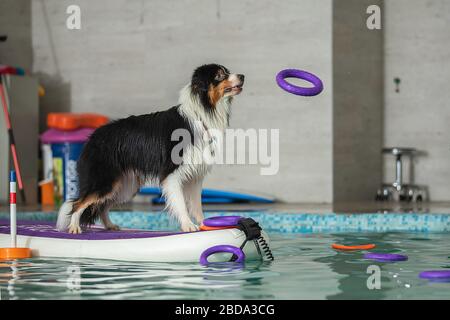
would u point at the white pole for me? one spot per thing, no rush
(13, 209)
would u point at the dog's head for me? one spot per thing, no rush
(213, 82)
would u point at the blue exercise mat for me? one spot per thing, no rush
(213, 196)
(161, 200)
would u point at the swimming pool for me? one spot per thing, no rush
(305, 266)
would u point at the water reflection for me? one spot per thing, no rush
(102, 279)
(355, 270)
(305, 268)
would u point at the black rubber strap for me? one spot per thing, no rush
(250, 227)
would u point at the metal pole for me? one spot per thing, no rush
(4, 100)
(13, 209)
(398, 172)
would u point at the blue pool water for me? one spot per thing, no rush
(305, 266)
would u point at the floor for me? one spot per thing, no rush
(347, 207)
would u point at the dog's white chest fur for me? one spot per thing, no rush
(207, 129)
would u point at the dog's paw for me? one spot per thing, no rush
(189, 227)
(199, 220)
(113, 227)
(74, 229)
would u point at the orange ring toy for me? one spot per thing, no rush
(14, 253)
(357, 247)
(206, 228)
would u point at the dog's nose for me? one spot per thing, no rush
(241, 77)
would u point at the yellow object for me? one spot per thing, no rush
(14, 253)
(41, 91)
(58, 181)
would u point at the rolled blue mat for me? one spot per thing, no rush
(161, 200)
(217, 194)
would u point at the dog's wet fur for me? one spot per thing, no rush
(123, 155)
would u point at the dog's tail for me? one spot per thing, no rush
(64, 216)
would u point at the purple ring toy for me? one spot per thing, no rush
(385, 257)
(222, 248)
(300, 74)
(225, 221)
(435, 274)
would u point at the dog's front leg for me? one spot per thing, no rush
(193, 197)
(77, 210)
(173, 192)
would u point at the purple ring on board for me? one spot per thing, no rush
(222, 248)
(385, 257)
(435, 274)
(300, 74)
(225, 221)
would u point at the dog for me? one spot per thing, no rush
(123, 155)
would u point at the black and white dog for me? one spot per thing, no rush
(123, 155)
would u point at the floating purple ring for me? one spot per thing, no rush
(222, 248)
(225, 221)
(300, 74)
(435, 274)
(385, 257)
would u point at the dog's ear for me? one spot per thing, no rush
(198, 85)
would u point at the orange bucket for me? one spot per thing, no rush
(47, 192)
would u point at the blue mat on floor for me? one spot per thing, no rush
(210, 196)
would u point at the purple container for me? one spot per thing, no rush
(52, 136)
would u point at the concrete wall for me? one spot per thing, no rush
(357, 102)
(22, 92)
(417, 50)
(132, 57)
(15, 21)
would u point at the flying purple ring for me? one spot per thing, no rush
(225, 221)
(300, 74)
(435, 274)
(222, 248)
(385, 257)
